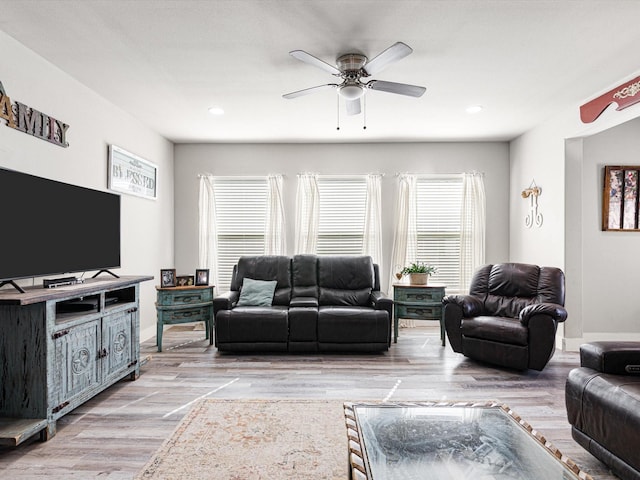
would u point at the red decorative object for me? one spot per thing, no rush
(625, 95)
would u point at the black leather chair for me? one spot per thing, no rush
(510, 316)
(603, 404)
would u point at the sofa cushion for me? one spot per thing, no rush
(305, 277)
(507, 288)
(252, 324)
(349, 298)
(496, 329)
(353, 325)
(256, 293)
(345, 280)
(266, 267)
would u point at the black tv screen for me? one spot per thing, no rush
(50, 227)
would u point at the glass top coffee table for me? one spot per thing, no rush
(438, 441)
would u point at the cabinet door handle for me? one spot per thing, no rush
(103, 353)
(59, 334)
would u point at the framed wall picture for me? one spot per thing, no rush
(620, 198)
(167, 277)
(129, 173)
(184, 281)
(202, 276)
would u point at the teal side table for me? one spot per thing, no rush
(418, 302)
(184, 305)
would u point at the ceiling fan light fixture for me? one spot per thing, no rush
(216, 111)
(351, 92)
(474, 109)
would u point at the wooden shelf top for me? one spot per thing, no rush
(38, 294)
(186, 287)
(411, 285)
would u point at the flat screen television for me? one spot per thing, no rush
(51, 228)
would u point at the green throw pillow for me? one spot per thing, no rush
(256, 293)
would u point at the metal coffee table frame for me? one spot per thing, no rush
(360, 469)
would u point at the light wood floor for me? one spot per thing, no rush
(113, 435)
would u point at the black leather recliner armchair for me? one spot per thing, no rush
(510, 316)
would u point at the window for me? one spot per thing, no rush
(438, 222)
(241, 210)
(341, 215)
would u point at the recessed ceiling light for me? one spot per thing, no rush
(216, 111)
(474, 108)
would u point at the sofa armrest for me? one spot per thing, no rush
(619, 358)
(555, 311)
(226, 301)
(470, 306)
(380, 301)
(304, 302)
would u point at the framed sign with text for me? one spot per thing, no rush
(129, 173)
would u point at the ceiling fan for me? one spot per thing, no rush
(352, 68)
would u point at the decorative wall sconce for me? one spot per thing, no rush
(532, 193)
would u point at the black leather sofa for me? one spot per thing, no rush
(320, 304)
(510, 316)
(603, 404)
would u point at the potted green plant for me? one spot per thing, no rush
(419, 272)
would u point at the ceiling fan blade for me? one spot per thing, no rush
(353, 106)
(316, 62)
(308, 91)
(393, 87)
(392, 54)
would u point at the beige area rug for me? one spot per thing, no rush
(256, 440)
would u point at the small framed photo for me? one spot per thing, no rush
(202, 276)
(167, 277)
(184, 281)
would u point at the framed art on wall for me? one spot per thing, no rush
(620, 198)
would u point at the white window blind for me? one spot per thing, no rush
(241, 211)
(438, 217)
(342, 215)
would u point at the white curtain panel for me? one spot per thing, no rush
(307, 213)
(275, 234)
(473, 219)
(405, 237)
(207, 237)
(372, 238)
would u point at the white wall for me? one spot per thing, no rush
(611, 258)
(290, 159)
(147, 225)
(565, 158)
(539, 156)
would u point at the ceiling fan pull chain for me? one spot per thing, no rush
(338, 111)
(364, 112)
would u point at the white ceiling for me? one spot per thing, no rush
(167, 61)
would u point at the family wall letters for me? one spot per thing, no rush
(31, 121)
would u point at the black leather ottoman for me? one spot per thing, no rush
(603, 405)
